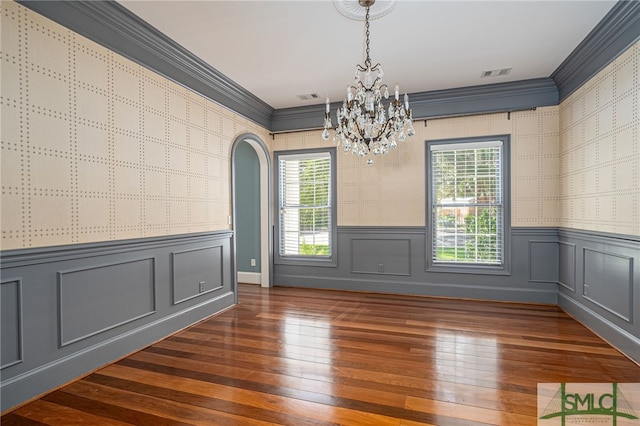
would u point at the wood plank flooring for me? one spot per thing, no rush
(308, 357)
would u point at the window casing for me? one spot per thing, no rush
(468, 211)
(306, 218)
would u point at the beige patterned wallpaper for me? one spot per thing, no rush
(600, 150)
(96, 147)
(391, 192)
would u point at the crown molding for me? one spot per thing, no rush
(113, 26)
(618, 30)
(489, 98)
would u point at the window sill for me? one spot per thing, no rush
(449, 268)
(307, 261)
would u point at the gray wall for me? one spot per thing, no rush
(247, 207)
(68, 310)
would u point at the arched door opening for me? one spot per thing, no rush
(251, 201)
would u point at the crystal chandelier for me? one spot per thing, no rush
(363, 126)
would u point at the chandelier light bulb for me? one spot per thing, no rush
(362, 127)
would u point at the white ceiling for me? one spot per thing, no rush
(280, 49)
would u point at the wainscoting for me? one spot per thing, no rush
(393, 260)
(599, 285)
(68, 310)
(590, 275)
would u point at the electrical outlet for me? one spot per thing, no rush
(201, 286)
(380, 267)
(253, 262)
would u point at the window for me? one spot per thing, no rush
(306, 213)
(469, 209)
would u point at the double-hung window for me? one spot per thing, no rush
(468, 212)
(305, 226)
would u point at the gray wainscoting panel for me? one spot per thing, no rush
(608, 282)
(567, 254)
(82, 306)
(381, 256)
(543, 261)
(11, 325)
(99, 298)
(605, 295)
(403, 250)
(196, 272)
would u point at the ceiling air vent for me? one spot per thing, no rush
(308, 97)
(496, 73)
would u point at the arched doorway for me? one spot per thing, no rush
(251, 205)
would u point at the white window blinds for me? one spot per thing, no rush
(305, 204)
(467, 203)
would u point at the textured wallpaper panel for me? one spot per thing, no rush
(391, 192)
(600, 150)
(96, 147)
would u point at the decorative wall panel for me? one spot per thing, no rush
(99, 298)
(567, 253)
(197, 272)
(543, 261)
(381, 256)
(11, 323)
(608, 281)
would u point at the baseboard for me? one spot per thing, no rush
(620, 339)
(545, 293)
(249, 277)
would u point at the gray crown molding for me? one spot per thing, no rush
(618, 30)
(489, 98)
(510, 96)
(113, 26)
(116, 28)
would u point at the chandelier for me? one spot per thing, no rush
(363, 125)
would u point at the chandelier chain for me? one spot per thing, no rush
(367, 61)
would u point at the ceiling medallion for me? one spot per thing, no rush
(353, 10)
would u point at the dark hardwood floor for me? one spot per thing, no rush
(307, 357)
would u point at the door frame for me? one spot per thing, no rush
(266, 216)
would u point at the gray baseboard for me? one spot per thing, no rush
(543, 294)
(69, 310)
(620, 339)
